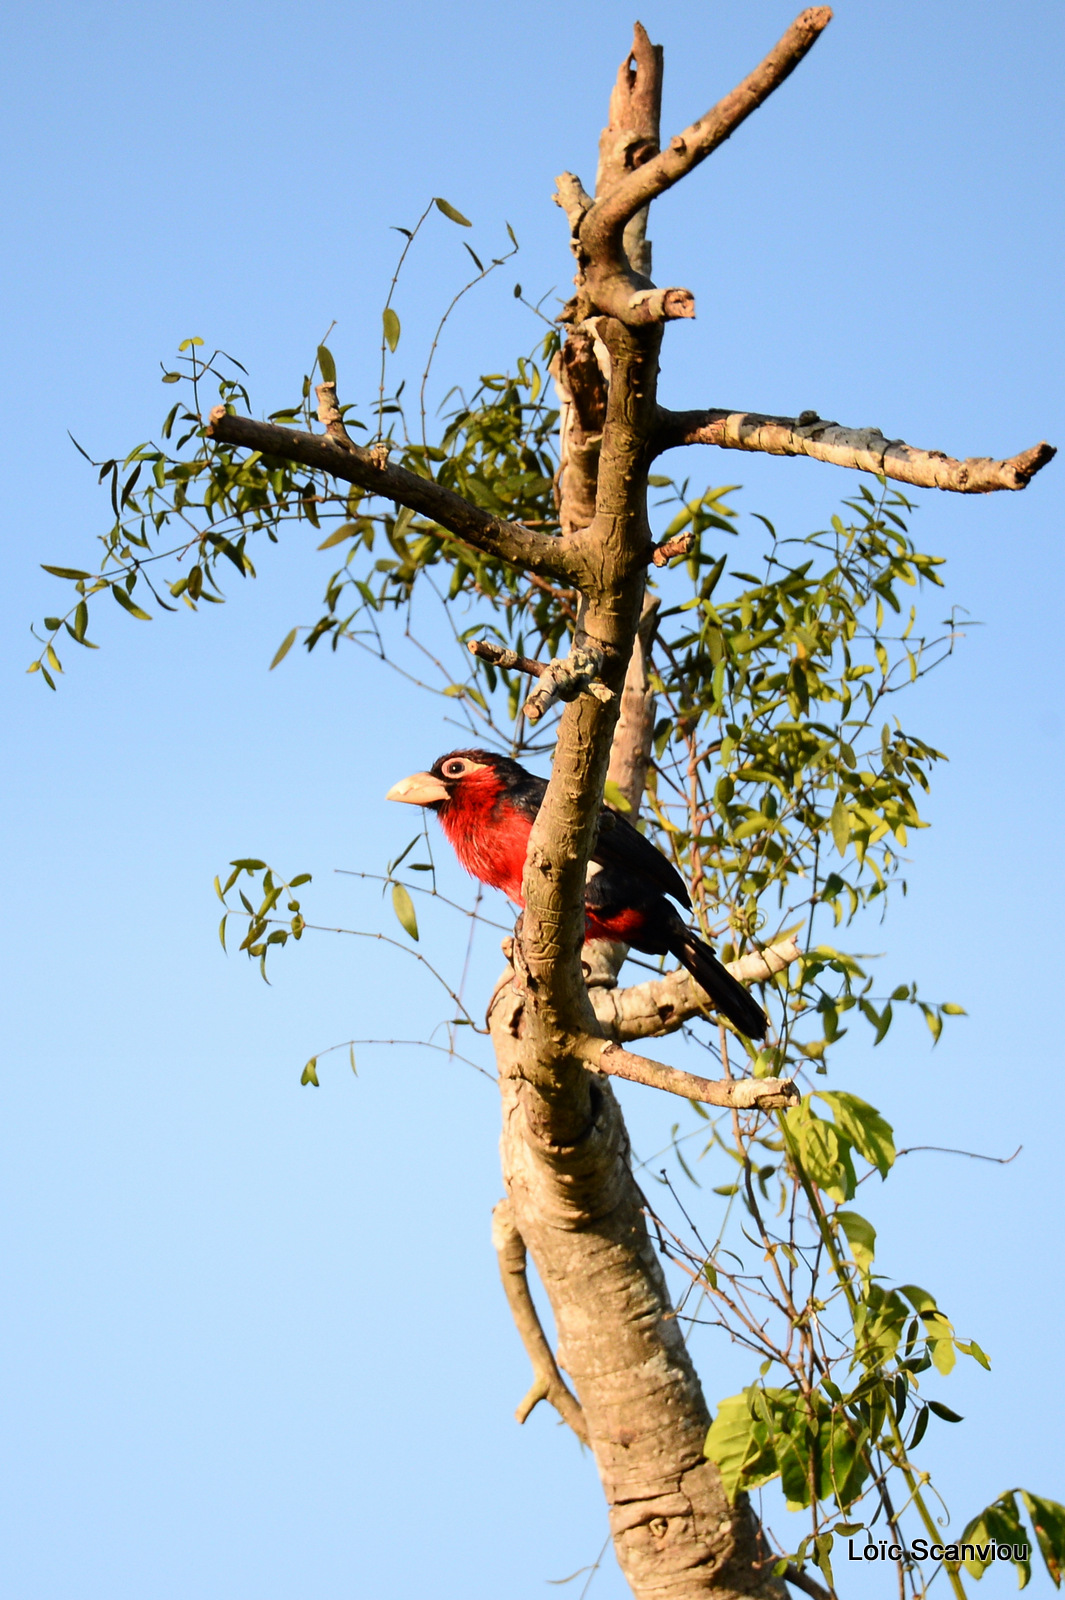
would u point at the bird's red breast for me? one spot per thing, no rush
(488, 833)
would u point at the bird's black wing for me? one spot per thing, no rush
(619, 844)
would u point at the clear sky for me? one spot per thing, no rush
(255, 1344)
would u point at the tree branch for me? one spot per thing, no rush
(548, 1383)
(865, 449)
(662, 1005)
(765, 1094)
(631, 135)
(602, 227)
(509, 541)
(808, 1585)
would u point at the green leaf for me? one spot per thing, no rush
(944, 1412)
(738, 1443)
(403, 906)
(65, 572)
(327, 366)
(999, 1523)
(455, 216)
(187, 344)
(222, 928)
(129, 605)
(310, 1072)
(391, 327)
(861, 1236)
(840, 823)
(478, 263)
(1048, 1520)
(284, 647)
(346, 531)
(867, 1130)
(351, 1058)
(614, 797)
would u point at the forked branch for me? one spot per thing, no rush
(603, 226)
(864, 449)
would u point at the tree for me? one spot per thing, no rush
(741, 683)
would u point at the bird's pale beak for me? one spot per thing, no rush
(420, 789)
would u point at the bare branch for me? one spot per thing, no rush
(631, 136)
(329, 413)
(744, 1094)
(548, 1383)
(865, 449)
(509, 541)
(630, 748)
(509, 660)
(566, 678)
(662, 1005)
(602, 229)
(580, 371)
(663, 553)
(573, 198)
(578, 673)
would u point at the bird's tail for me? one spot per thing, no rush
(728, 995)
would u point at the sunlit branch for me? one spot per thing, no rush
(370, 470)
(864, 449)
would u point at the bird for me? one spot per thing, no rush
(487, 804)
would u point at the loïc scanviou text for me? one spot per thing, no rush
(921, 1550)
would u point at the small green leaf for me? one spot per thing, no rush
(171, 377)
(403, 906)
(310, 1072)
(391, 327)
(738, 1443)
(327, 365)
(129, 605)
(839, 822)
(65, 572)
(1048, 1520)
(284, 647)
(346, 531)
(944, 1412)
(222, 927)
(187, 344)
(351, 1058)
(614, 797)
(455, 216)
(860, 1235)
(478, 263)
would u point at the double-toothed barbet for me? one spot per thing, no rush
(486, 804)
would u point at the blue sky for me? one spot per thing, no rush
(257, 1343)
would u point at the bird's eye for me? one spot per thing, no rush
(454, 769)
